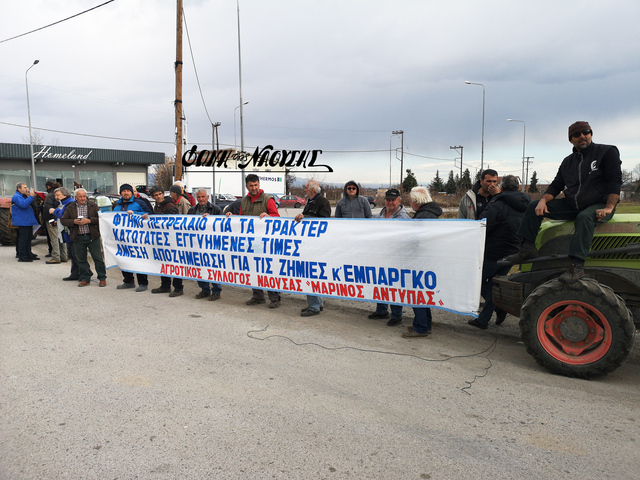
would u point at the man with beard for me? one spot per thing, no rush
(591, 178)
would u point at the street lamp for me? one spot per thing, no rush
(235, 140)
(241, 102)
(33, 163)
(401, 133)
(524, 142)
(482, 149)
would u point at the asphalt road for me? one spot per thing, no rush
(99, 383)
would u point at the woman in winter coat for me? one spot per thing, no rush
(424, 207)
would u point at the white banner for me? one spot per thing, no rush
(421, 263)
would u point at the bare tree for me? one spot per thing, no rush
(164, 173)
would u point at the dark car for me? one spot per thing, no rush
(292, 201)
(223, 199)
(372, 200)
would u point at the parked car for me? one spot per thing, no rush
(223, 199)
(372, 200)
(292, 201)
(276, 198)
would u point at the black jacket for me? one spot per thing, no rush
(428, 210)
(209, 208)
(504, 215)
(588, 176)
(318, 206)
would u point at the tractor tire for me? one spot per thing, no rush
(581, 329)
(8, 235)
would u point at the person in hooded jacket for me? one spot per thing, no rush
(425, 208)
(352, 205)
(504, 216)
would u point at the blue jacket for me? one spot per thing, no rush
(21, 212)
(63, 204)
(132, 205)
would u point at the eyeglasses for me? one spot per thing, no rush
(351, 188)
(579, 134)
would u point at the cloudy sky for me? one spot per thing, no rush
(337, 76)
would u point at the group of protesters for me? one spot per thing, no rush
(590, 177)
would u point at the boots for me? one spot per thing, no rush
(527, 251)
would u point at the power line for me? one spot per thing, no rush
(194, 66)
(87, 135)
(54, 23)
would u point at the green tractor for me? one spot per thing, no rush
(583, 329)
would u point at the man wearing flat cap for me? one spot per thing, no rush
(591, 179)
(393, 208)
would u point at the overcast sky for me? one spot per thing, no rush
(337, 76)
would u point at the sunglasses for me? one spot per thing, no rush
(579, 134)
(351, 188)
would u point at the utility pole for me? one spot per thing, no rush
(526, 179)
(178, 101)
(401, 133)
(460, 152)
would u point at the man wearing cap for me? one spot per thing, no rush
(183, 205)
(393, 209)
(590, 178)
(81, 217)
(352, 205)
(126, 203)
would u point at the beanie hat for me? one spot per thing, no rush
(126, 186)
(577, 127)
(175, 189)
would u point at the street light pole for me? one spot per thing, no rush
(524, 142)
(33, 163)
(401, 133)
(241, 102)
(235, 140)
(482, 149)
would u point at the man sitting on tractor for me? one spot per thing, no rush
(591, 178)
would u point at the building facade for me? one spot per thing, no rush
(92, 168)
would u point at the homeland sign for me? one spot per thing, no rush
(421, 263)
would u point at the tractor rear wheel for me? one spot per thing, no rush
(581, 329)
(7, 235)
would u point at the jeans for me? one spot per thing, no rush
(259, 295)
(585, 222)
(490, 269)
(383, 309)
(75, 269)
(314, 302)
(211, 288)
(165, 282)
(25, 235)
(421, 320)
(81, 244)
(142, 278)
